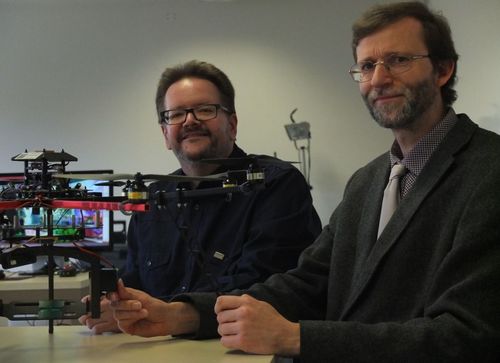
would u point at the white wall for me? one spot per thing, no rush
(476, 30)
(81, 75)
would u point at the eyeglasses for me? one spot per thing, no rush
(394, 63)
(200, 113)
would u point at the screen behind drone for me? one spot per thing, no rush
(93, 226)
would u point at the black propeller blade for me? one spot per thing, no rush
(244, 162)
(137, 177)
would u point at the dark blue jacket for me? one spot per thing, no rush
(218, 243)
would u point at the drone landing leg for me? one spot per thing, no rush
(50, 269)
(50, 273)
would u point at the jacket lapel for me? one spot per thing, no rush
(430, 176)
(371, 214)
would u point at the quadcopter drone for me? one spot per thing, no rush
(46, 185)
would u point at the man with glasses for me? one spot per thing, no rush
(219, 241)
(420, 285)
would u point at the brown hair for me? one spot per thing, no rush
(436, 30)
(195, 69)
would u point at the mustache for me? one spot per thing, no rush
(384, 92)
(374, 94)
(190, 131)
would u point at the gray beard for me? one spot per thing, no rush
(419, 99)
(208, 153)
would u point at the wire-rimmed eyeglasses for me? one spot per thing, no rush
(200, 113)
(394, 63)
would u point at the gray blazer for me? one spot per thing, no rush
(428, 290)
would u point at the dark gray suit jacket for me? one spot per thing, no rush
(428, 290)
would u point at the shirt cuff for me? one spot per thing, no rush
(204, 302)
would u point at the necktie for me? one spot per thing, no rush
(391, 196)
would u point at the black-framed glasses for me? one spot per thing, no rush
(200, 113)
(394, 63)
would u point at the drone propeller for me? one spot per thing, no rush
(94, 176)
(111, 183)
(137, 177)
(244, 162)
(182, 178)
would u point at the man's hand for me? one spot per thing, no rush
(106, 322)
(255, 326)
(138, 313)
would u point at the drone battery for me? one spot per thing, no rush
(50, 309)
(107, 279)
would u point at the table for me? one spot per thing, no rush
(76, 344)
(32, 288)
